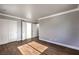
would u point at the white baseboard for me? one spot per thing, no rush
(5, 42)
(65, 45)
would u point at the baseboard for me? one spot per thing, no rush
(6, 42)
(65, 45)
(16, 41)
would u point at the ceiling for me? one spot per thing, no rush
(34, 11)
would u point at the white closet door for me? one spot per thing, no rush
(29, 30)
(12, 31)
(34, 27)
(26, 30)
(8, 31)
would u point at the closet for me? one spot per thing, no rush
(8, 31)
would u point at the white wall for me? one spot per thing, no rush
(62, 30)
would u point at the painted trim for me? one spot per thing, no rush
(21, 30)
(61, 13)
(11, 16)
(25, 20)
(65, 45)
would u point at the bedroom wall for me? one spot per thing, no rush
(62, 30)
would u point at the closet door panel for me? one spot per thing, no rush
(13, 31)
(24, 30)
(8, 31)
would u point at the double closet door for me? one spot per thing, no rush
(8, 31)
(11, 30)
(26, 30)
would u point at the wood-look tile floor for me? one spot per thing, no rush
(35, 47)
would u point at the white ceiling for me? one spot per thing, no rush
(34, 11)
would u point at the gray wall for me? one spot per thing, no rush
(62, 30)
